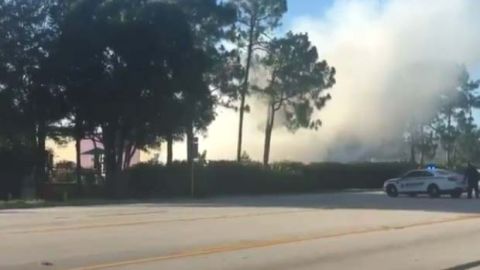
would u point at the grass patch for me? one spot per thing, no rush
(30, 204)
(21, 204)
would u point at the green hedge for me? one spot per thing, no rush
(67, 191)
(226, 177)
(15, 164)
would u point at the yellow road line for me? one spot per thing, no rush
(145, 222)
(244, 245)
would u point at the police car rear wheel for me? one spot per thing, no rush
(433, 191)
(392, 191)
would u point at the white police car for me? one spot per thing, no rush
(433, 182)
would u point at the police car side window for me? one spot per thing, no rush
(418, 174)
(426, 174)
(413, 174)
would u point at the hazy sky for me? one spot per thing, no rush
(392, 58)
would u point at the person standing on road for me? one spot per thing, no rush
(472, 176)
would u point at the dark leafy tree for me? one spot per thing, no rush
(79, 70)
(455, 118)
(467, 145)
(211, 23)
(126, 71)
(29, 32)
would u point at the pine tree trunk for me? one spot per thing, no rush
(96, 157)
(423, 146)
(450, 139)
(245, 89)
(268, 134)
(110, 143)
(422, 158)
(78, 134)
(412, 153)
(41, 174)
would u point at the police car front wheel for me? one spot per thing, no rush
(392, 191)
(433, 191)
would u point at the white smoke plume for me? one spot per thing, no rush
(392, 58)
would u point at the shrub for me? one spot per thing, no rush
(66, 165)
(227, 177)
(15, 164)
(146, 180)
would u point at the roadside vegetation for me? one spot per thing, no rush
(137, 74)
(217, 178)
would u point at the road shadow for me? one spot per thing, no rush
(334, 200)
(343, 200)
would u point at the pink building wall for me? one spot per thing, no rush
(87, 160)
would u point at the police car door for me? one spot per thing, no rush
(412, 181)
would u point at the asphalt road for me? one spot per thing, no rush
(356, 230)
